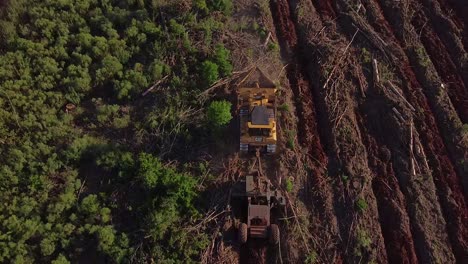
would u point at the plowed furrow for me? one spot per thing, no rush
(391, 201)
(460, 8)
(318, 197)
(445, 67)
(325, 8)
(447, 9)
(448, 185)
(422, 222)
(347, 148)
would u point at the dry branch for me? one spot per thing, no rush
(225, 81)
(154, 85)
(399, 94)
(376, 71)
(413, 170)
(267, 40)
(297, 222)
(398, 114)
(341, 59)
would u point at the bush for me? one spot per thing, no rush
(290, 143)
(311, 257)
(289, 185)
(209, 72)
(222, 59)
(361, 205)
(219, 113)
(274, 47)
(465, 129)
(363, 243)
(284, 108)
(224, 6)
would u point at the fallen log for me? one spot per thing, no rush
(154, 86)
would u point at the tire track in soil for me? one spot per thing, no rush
(318, 196)
(405, 72)
(444, 65)
(449, 12)
(453, 201)
(325, 8)
(253, 252)
(460, 8)
(391, 202)
(393, 218)
(448, 187)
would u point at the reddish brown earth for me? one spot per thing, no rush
(379, 167)
(418, 194)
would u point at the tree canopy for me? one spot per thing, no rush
(84, 174)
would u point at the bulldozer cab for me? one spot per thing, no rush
(257, 112)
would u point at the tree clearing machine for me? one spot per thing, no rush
(255, 194)
(257, 112)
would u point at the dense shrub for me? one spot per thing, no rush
(219, 113)
(209, 72)
(222, 59)
(65, 175)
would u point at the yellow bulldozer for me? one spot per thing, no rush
(256, 106)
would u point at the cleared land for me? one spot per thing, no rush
(380, 99)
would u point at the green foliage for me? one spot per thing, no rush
(465, 129)
(219, 113)
(201, 6)
(361, 205)
(289, 185)
(110, 66)
(366, 55)
(89, 205)
(290, 140)
(311, 257)
(422, 56)
(345, 178)
(386, 74)
(222, 60)
(209, 72)
(47, 247)
(363, 243)
(171, 197)
(60, 260)
(284, 108)
(63, 176)
(224, 6)
(273, 47)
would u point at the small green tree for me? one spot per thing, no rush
(224, 6)
(210, 72)
(289, 185)
(47, 247)
(222, 56)
(60, 260)
(219, 113)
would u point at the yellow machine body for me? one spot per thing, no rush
(257, 114)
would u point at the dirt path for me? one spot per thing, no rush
(318, 196)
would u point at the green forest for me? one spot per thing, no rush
(95, 166)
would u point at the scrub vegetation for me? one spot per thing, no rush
(95, 98)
